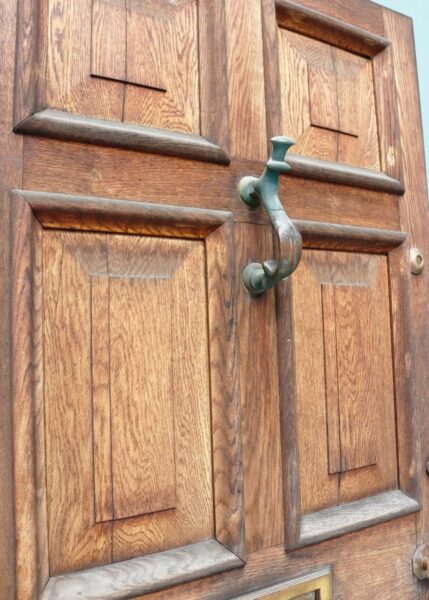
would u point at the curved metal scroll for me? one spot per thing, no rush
(259, 277)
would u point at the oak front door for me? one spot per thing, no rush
(165, 431)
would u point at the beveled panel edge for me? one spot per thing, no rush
(331, 236)
(79, 128)
(339, 520)
(303, 583)
(143, 575)
(323, 170)
(320, 26)
(90, 213)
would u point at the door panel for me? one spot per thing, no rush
(164, 434)
(140, 427)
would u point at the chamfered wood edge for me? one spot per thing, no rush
(316, 234)
(323, 170)
(339, 520)
(78, 128)
(89, 213)
(321, 26)
(291, 584)
(143, 575)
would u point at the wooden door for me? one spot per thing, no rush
(163, 433)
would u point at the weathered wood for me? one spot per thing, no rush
(86, 169)
(142, 575)
(367, 551)
(11, 148)
(87, 213)
(225, 390)
(312, 168)
(332, 522)
(256, 322)
(316, 234)
(246, 95)
(62, 125)
(411, 353)
(22, 402)
(213, 74)
(319, 25)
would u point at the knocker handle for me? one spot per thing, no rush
(259, 277)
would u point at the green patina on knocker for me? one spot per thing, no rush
(259, 277)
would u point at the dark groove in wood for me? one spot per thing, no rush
(137, 576)
(320, 26)
(66, 126)
(323, 170)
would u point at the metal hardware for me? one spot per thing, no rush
(421, 562)
(417, 261)
(259, 277)
(315, 585)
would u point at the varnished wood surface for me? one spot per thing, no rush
(366, 552)
(259, 398)
(341, 209)
(412, 374)
(344, 387)
(56, 166)
(312, 168)
(10, 176)
(62, 125)
(87, 213)
(319, 25)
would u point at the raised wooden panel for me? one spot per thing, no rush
(339, 428)
(121, 333)
(140, 436)
(343, 361)
(145, 74)
(328, 101)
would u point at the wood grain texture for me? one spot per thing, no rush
(320, 85)
(225, 390)
(311, 168)
(142, 575)
(414, 216)
(85, 169)
(387, 114)
(316, 234)
(368, 551)
(25, 532)
(331, 379)
(214, 109)
(180, 365)
(11, 150)
(88, 213)
(363, 377)
(339, 520)
(173, 60)
(259, 398)
(61, 125)
(74, 540)
(331, 29)
(364, 14)
(109, 39)
(246, 97)
(67, 83)
(162, 54)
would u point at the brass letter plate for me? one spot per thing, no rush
(315, 586)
